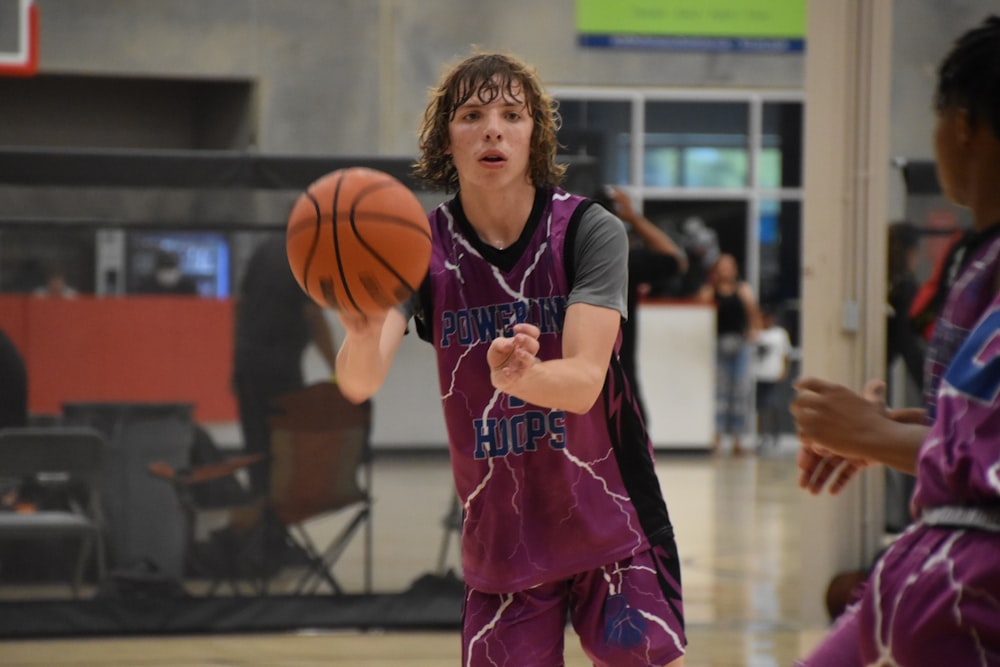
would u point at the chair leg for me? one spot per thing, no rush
(318, 572)
(81, 562)
(369, 543)
(322, 568)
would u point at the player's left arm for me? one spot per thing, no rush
(571, 383)
(590, 327)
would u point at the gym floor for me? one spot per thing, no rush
(738, 526)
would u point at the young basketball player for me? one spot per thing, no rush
(933, 596)
(563, 513)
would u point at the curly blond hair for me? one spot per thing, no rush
(488, 76)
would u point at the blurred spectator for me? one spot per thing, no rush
(167, 277)
(737, 325)
(902, 338)
(701, 244)
(13, 385)
(55, 283)
(770, 371)
(653, 257)
(275, 322)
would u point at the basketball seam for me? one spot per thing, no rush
(336, 246)
(367, 246)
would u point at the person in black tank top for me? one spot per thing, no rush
(736, 326)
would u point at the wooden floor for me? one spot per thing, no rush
(738, 529)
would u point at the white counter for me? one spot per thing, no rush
(676, 367)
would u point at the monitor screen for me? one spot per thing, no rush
(178, 262)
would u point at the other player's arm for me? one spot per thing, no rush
(847, 424)
(366, 355)
(655, 238)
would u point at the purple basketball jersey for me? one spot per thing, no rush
(959, 463)
(546, 493)
(969, 295)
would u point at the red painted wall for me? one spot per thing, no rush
(136, 349)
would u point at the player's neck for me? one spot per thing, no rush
(498, 216)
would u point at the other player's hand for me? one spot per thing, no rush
(833, 417)
(819, 468)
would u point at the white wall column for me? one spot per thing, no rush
(843, 283)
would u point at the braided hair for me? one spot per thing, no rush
(969, 76)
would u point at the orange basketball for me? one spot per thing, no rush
(358, 241)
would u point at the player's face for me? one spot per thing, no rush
(949, 135)
(490, 140)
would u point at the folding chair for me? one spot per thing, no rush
(321, 463)
(64, 459)
(320, 466)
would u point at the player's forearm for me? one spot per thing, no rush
(656, 239)
(362, 367)
(560, 384)
(895, 444)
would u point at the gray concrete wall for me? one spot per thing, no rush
(351, 76)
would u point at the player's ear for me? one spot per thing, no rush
(963, 126)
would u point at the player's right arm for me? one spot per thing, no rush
(366, 354)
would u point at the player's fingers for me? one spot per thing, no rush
(527, 329)
(822, 473)
(807, 461)
(846, 472)
(874, 393)
(526, 343)
(814, 385)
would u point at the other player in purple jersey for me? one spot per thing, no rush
(523, 302)
(934, 597)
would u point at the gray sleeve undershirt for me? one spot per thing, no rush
(601, 250)
(601, 263)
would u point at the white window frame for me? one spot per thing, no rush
(752, 194)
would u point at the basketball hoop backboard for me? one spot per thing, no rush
(18, 38)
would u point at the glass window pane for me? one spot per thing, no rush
(710, 137)
(781, 137)
(601, 130)
(708, 167)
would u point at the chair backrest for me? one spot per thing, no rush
(320, 443)
(40, 450)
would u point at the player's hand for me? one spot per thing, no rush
(830, 420)
(833, 417)
(819, 468)
(510, 356)
(874, 393)
(623, 204)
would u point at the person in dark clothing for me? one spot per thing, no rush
(275, 322)
(902, 338)
(13, 384)
(737, 325)
(167, 277)
(652, 257)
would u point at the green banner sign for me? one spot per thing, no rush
(738, 19)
